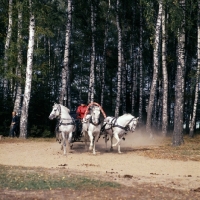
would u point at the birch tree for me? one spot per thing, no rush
(17, 104)
(134, 60)
(65, 92)
(7, 45)
(141, 65)
(177, 138)
(104, 54)
(27, 90)
(93, 54)
(192, 124)
(155, 70)
(119, 72)
(165, 78)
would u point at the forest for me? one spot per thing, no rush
(130, 56)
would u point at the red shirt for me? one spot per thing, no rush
(81, 111)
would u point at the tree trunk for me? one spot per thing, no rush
(165, 78)
(17, 104)
(7, 45)
(141, 66)
(193, 121)
(119, 73)
(27, 91)
(124, 85)
(65, 91)
(93, 55)
(134, 54)
(155, 71)
(104, 56)
(179, 88)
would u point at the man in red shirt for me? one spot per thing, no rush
(81, 110)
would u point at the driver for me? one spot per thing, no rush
(81, 110)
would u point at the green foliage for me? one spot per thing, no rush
(40, 131)
(46, 133)
(35, 131)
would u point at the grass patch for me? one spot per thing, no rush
(21, 178)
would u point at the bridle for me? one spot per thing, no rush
(91, 121)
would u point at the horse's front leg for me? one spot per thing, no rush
(70, 140)
(119, 150)
(116, 136)
(91, 140)
(95, 141)
(64, 142)
(86, 138)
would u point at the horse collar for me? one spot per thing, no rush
(99, 122)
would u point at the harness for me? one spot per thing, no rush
(90, 120)
(61, 119)
(113, 124)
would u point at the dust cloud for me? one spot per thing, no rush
(137, 139)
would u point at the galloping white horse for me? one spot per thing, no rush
(91, 127)
(117, 127)
(66, 124)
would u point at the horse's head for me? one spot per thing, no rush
(95, 113)
(133, 124)
(55, 111)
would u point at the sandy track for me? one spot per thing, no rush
(125, 168)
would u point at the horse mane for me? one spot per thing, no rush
(65, 108)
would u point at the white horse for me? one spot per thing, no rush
(91, 127)
(118, 127)
(65, 126)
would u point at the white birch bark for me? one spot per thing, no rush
(93, 55)
(134, 57)
(7, 45)
(165, 78)
(27, 91)
(64, 95)
(155, 70)
(104, 56)
(192, 124)
(141, 66)
(123, 93)
(17, 104)
(119, 73)
(177, 138)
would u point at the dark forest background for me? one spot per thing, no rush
(138, 35)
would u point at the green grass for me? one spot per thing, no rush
(21, 178)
